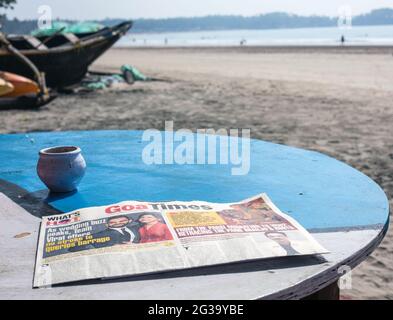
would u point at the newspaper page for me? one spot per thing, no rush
(132, 238)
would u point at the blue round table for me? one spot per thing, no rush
(344, 209)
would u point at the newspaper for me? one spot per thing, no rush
(131, 238)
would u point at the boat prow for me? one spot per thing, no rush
(5, 87)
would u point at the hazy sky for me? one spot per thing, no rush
(98, 9)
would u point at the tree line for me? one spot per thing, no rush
(276, 20)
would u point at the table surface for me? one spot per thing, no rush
(344, 209)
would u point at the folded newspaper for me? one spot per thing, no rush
(131, 238)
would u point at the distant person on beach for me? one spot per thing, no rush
(342, 40)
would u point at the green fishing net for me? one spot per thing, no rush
(64, 27)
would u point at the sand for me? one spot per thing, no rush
(336, 101)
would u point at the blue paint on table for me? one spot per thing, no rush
(318, 191)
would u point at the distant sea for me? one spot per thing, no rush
(362, 35)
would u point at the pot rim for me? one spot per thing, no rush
(60, 151)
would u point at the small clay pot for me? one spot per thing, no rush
(61, 168)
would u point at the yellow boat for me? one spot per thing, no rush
(5, 87)
(22, 86)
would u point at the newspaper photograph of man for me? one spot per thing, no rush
(120, 230)
(283, 241)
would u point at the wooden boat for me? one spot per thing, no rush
(21, 85)
(5, 87)
(64, 59)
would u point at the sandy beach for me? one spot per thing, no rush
(337, 101)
